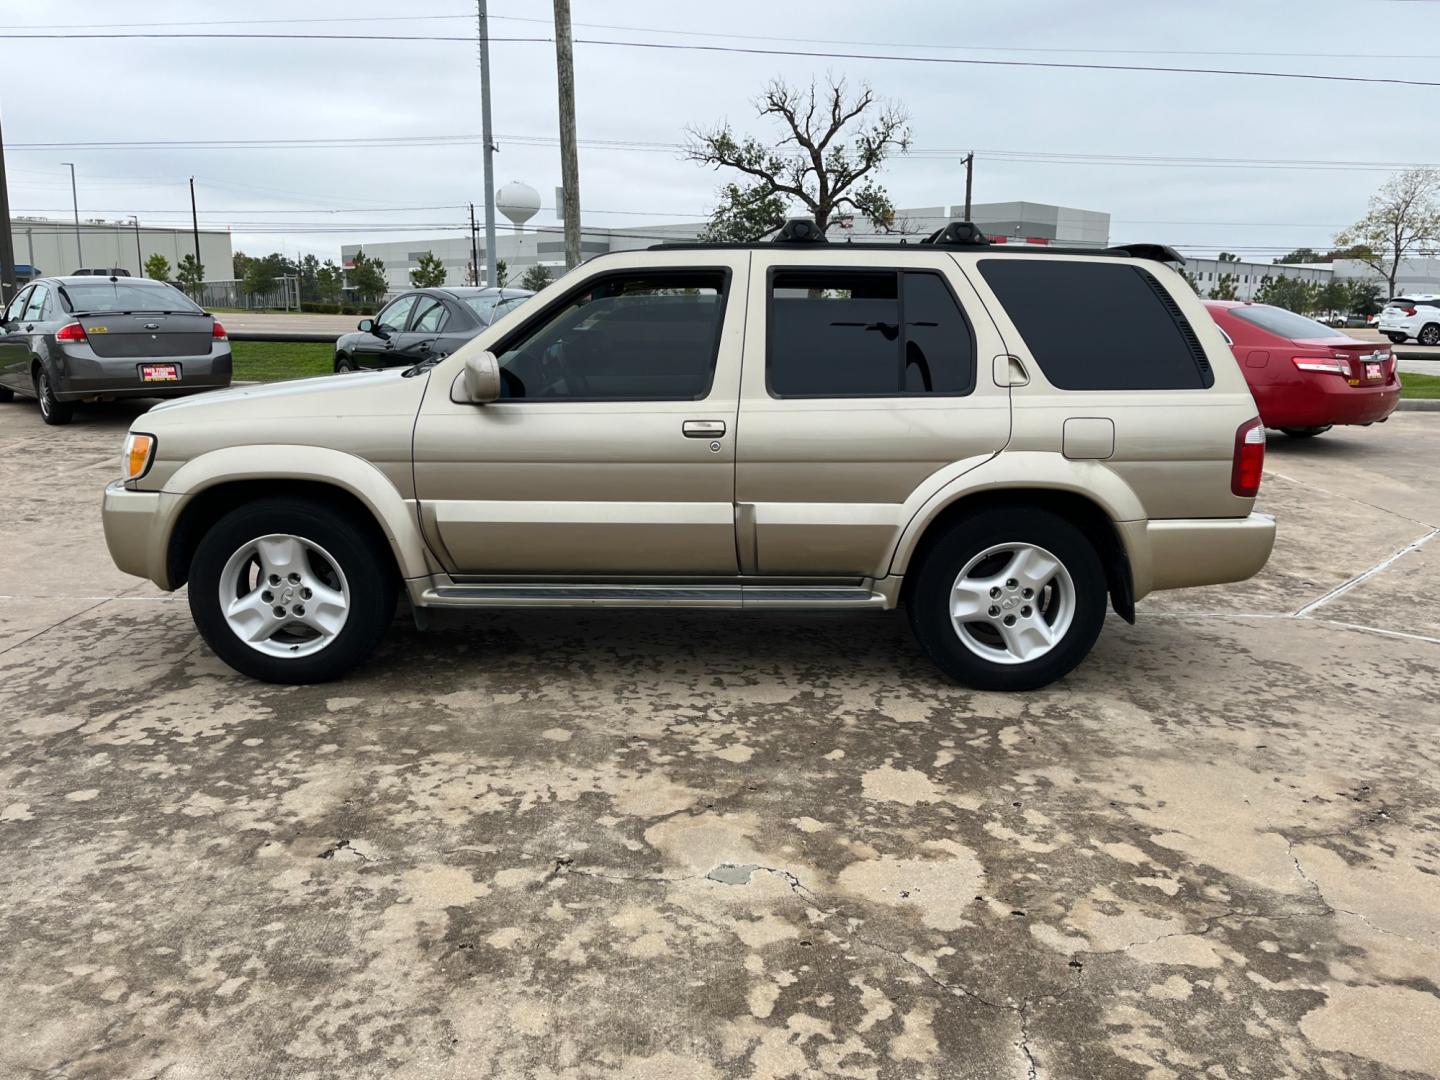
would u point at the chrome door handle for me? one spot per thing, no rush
(703, 429)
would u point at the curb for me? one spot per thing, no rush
(1419, 405)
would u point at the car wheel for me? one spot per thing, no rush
(344, 363)
(1429, 334)
(1306, 432)
(51, 411)
(290, 592)
(1009, 599)
(1398, 339)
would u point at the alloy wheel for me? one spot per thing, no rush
(284, 596)
(1012, 603)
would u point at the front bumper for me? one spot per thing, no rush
(131, 520)
(1185, 552)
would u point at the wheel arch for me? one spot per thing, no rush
(209, 486)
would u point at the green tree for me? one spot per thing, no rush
(1365, 296)
(157, 267)
(536, 278)
(367, 278)
(1224, 286)
(502, 273)
(1302, 255)
(1226, 256)
(1403, 221)
(429, 272)
(1289, 293)
(309, 278)
(330, 282)
(1333, 297)
(831, 146)
(1191, 280)
(190, 274)
(240, 264)
(261, 278)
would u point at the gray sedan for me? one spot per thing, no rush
(68, 339)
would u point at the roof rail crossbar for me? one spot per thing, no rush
(1155, 252)
(965, 233)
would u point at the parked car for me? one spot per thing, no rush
(424, 321)
(68, 339)
(755, 427)
(1406, 317)
(1306, 376)
(102, 271)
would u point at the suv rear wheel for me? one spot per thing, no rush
(1429, 334)
(290, 592)
(1010, 599)
(1398, 339)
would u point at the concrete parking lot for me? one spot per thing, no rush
(654, 845)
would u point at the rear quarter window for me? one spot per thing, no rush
(1099, 326)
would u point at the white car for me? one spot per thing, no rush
(1407, 317)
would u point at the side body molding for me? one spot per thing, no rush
(1019, 470)
(392, 512)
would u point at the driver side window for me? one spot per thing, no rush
(640, 336)
(393, 316)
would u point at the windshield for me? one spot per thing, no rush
(127, 296)
(1286, 323)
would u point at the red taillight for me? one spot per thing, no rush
(70, 332)
(1335, 365)
(218, 332)
(1409, 312)
(1249, 459)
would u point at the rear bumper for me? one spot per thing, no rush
(79, 373)
(131, 520)
(1325, 399)
(1185, 552)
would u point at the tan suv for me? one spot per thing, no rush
(1002, 441)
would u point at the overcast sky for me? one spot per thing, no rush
(270, 90)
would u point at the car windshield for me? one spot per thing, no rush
(127, 296)
(1286, 323)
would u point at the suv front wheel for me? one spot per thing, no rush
(288, 591)
(1010, 599)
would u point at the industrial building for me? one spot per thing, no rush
(522, 247)
(47, 247)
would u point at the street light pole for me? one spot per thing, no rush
(488, 139)
(8, 284)
(75, 204)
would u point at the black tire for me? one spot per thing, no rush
(366, 566)
(1429, 334)
(6, 395)
(928, 601)
(53, 412)
(1306, 432)
(344, 363)
(1398, 339)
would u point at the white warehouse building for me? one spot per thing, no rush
(45, 247)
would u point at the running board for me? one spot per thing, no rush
(774, 597)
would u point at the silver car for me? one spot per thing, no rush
(68, 339)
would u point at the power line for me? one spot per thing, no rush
(749, 51)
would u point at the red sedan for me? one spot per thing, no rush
(1306, 376)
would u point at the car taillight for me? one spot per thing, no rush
(1249, 460)
(1335, 365)
(218, 332)
(1409, 312)
(70, 332)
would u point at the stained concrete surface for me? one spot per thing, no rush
(653, 845)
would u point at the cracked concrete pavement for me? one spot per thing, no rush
(655, 845)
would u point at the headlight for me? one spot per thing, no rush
(139, 453)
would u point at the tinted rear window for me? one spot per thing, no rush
(1099, 326)
(1286, 323)
(126, 296)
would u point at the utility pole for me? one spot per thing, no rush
(569, 160)
(969, 175)
(489, 165)
(195, 225)
(475, 252)
(139, 257)
(75, 204)
(8, 285)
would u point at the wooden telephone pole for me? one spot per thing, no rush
(569, 160)
(8, 284)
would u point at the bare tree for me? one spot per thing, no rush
(1403, 220)
(817, 163)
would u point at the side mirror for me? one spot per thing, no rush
(479, 382)
(366, 326)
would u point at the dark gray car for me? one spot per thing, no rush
(424, 324)
(66, 339)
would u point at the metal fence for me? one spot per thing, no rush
(286, 295)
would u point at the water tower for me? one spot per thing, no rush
(518, 202)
